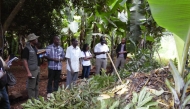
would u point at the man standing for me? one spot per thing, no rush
(121, 54)
(55, 56)
(100, 51)
(30, 61)
(73, 57)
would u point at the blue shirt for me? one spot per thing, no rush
(54, 52)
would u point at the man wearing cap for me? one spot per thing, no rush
(30, 62)
(100, 51)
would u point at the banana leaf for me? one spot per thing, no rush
(179, 82)
(174, 16)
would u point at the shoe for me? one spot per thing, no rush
(48, 95)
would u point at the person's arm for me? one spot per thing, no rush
(25, 63)
(53, 59)
(68, 59)
(69, 62)
(7, 59)
(123, 52)
(118, 50)
(83, 57)
(25, 56)
(99, 53)
(96, 51)
(49, 58)
(89, 57)
(62, 56)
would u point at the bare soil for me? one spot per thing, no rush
(18, 93)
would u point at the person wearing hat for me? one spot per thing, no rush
(30, 62)
(100, 51)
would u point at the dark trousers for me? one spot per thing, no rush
(53, 75)
(85, 71)
(4, 99)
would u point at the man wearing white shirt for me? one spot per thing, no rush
(100, 51)
(73, 57)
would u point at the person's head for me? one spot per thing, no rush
(39, 45)
(74, 42)
(102, 41)
(33, 39)
(56, 40)
(85, 47)
(123, 41)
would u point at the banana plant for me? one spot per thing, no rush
(143, 100)
(174, 16)
(180, 99)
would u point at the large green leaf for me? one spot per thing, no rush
(179, 82)
(174, 16)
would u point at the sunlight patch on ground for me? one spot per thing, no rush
(168, 47)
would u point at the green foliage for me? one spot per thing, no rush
(103, 80)
(110, 103)
(80, 96)
(175, 62)
(124, 73)
(34, 17)
(142, 61)
(180, 99)
(143, 100)
(172, 16)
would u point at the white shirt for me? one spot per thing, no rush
(73, 54)
(86, 54)
(101, 48)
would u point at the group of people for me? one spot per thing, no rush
(54, 54)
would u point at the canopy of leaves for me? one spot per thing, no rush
(36, 16)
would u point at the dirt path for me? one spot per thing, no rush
(17, 93)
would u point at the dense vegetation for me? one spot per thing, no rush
(84, 20)
(113, 19)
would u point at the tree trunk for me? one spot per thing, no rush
(12, 15)
(82, 34)
(1, 29)
(1, 37)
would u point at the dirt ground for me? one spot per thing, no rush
(18, 93)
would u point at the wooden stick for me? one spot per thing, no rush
(115, 68)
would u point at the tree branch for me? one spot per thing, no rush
(12, 15)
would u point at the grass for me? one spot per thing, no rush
(163, 61)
